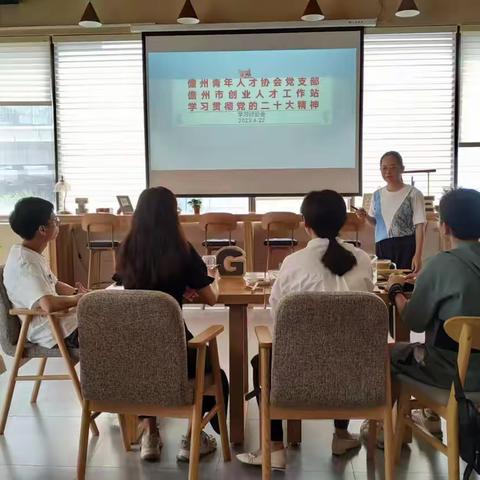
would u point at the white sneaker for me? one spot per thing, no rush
(429, 420)
(150, 447)
(278, 459)
(208, 444)
(364, 433)
(341, 444)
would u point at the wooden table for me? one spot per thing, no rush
(237, 298)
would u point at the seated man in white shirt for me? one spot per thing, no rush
(27, 276)
(326, 265)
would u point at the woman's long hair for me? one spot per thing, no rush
(325, 213)
(155, 250)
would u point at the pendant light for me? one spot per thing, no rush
(188, 16)
(408, 8)
(90, 18)
(313, 12)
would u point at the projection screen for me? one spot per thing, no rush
(254, 113)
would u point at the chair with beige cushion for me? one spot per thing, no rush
(330, 359)
(217, 223)
(134, 362)
(13, 339)
(465, 331)
(99, 223)
(280, 229)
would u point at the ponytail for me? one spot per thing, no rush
(338, 259)
(325, 213)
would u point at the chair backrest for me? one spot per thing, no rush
(9, 324)
(218, 222)
(330, 351)
(99, 222)
(133, 348)
(455, 325)
(465, 331)
(281, 222)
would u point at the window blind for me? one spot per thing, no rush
(409, 92)
(27, 160)
(25, 73)
(470, 91)
(100, 120)
(469, 154)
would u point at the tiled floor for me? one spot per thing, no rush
(40, 442)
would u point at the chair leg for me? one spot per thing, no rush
(222, 420)
(78, 390)
(195, 442)
(453, 449)
(372, 440)
(125, 433)
(114, 259)
(83, 443)
(388, 443)
(9, 396)
(265, 415)
(197, 415)
(90, 269)
(14, 373)
(403, 409)
(36, 387)
(70, 367)
(98, 269)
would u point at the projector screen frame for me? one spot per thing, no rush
(359, 29)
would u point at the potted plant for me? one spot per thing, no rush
(195, 203)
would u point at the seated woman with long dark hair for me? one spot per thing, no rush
(326, 265)
(156, 256)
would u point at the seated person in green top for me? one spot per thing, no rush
(448, 286)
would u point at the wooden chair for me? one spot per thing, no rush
(99, 223)
(466, 331)
(141, 366)
(342, 338)
(279, 223)
(13, 339)
(217, 223)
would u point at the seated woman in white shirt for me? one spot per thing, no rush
(27, 276)
(326, 265)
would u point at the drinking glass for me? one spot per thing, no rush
(210, 261)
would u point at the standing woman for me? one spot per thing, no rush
(398, 213)
(155, 255)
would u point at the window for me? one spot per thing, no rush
(216, 204)
(100, 118)
(469, 152)
(408, 105)
(27, 159)
(278, 204)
